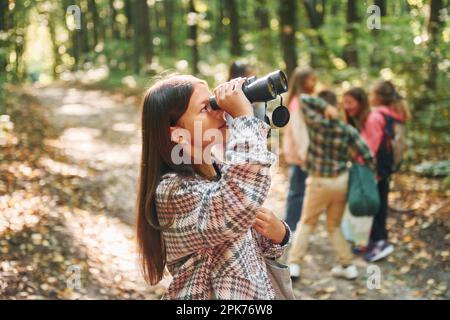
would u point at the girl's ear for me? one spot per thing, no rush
(178, 134)
(173, 134)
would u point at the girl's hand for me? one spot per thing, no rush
(269, 225)
(331, 112)
(231, 98)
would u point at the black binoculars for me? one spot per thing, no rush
(263, 90)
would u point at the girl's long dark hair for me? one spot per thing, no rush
(162, 106)
(360, 96)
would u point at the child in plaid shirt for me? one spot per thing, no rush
(332, 145)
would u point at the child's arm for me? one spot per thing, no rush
(361, 147)
(317, 111)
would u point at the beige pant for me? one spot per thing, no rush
(321, 194)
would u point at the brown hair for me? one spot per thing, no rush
(329, 96)
(239, 69)
(390, 97)
(360, 96)
(163, 104)
(297, 81)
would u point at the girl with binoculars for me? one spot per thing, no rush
(204, 220)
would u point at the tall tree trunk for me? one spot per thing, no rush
(84, 37)
(128, 9)
(376, 58)
(112, 16)
(233, 14)
(350, 50)
(434, 28)
(3, 28)
(147, 33)
(382, 5)
(218, 29)
(168, 16)
(316, 19)
(287, 12)
(96, 23)
(261, 15)
(56, 56)
(156, 18)
(335, 6)
(74, 47)
(143, 45)
(193, 42)
(142, 39)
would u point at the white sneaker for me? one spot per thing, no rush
(294, 269)
(348, 273)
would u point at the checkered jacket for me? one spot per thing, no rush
(212, 250)
(332, 143)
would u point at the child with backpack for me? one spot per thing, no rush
(384, 132)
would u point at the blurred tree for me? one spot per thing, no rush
(142, 36)
(51, 18)
(335, 7)
(84, 34)
(434, 29)
(376, 58)
(287, 10)
(193, 41)
(264, 34)
(114, 29)
(382, 5)
(3, 30)
(128, 8)
(233, 15)
(315, 11)
(96, 23)
(74, 47)
(219, 14)
(262, 14)
(351, 48)
(169, 11)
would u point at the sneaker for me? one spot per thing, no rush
(362, 250)
(381, 250)
(350, 272)
(294, 269)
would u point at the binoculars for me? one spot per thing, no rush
(263, 90)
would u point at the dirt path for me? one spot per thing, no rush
(98, 132)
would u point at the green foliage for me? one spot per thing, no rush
(434, 169)
(399, 51)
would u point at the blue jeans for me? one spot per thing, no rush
(295, 196)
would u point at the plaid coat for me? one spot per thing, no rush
(212, 250)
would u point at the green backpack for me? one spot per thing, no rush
(362, 197)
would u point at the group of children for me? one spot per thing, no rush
(322, 137)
